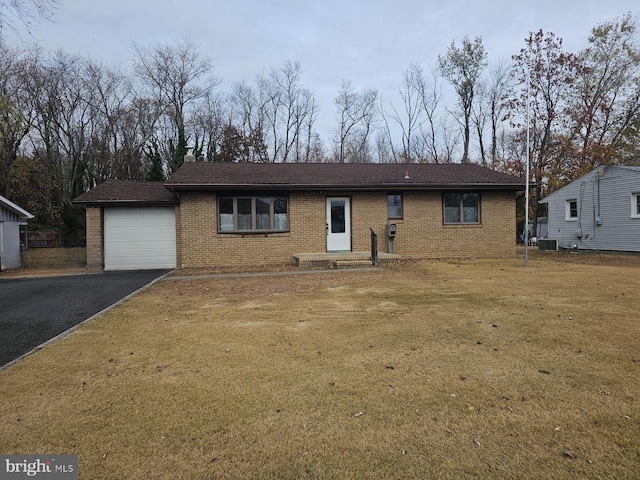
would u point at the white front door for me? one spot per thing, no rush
(338, 224)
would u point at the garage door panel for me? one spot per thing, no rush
(139, 238)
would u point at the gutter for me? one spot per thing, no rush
(208, 187)
(126, 203)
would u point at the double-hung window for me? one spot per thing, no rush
(461, 208)
(571, 210)
(253, 214)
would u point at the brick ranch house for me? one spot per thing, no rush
(229, 214)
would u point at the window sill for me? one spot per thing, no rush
(252, 233)
(462, 225)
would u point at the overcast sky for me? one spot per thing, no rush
(369, 42)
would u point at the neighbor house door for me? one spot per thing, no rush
(338, 224)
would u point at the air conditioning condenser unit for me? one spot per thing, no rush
(547, 244)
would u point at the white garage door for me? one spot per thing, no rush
(139, 238)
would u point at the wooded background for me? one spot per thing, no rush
(68, 122)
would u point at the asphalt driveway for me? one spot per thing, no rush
(34, 310)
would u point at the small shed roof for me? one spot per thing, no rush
(337, 176)
(127, 192)
(12, 207)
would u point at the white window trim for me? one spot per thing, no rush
(567, 210)
(634, 205)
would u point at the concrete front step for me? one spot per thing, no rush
(328, 259)
(353, 263)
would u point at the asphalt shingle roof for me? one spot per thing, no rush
(127, 191)
(299, 176)
(202, 176)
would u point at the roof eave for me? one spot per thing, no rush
(209, 187)
(19, 211)
(123, 203)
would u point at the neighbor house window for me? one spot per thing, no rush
(571, 210)
(249, 214)
(635, 205)
(461, 207)
(394, 205)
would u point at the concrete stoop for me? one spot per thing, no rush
(340, 260)
(353, 263)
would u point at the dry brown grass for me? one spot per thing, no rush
(465, 369)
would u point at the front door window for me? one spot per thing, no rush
(337, 216)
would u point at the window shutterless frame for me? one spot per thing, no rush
(394, 205)
(461, 208)
(253, 214)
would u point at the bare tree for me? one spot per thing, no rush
(63, 117)
(123, 124)
(462, 67)
(356, 113)
(605, 110)
(551, 75)
(173, 75)
(430, 94)
(253, 112)
(384, 148)
(316, 149)
(479, 117)
(209, 119)
(304, 116)
(307, 138)
(75, 122)
(247, 107)
(450, 142)
(15, 116)
(495, 99)
(27, 12)
(409, 118)
(419, 122)
(288, 111)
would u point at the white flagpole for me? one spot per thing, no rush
(526, 194)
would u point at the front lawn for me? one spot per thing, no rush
(459, 369)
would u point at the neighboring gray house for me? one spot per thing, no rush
(11, 215)
(598, 211)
